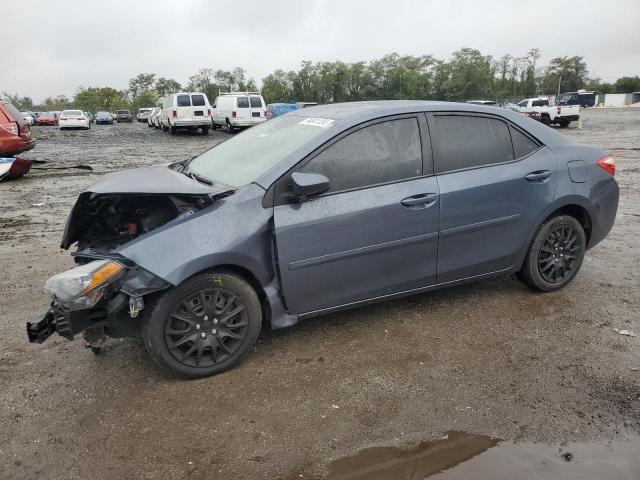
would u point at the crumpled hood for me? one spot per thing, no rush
(158, 193)
(152, 180)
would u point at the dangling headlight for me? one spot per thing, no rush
(83, 286)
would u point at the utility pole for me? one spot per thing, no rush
(559, 82)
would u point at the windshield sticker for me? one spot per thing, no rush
(317, 122)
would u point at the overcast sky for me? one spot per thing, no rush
(53, 46)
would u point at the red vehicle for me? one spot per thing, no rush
(47, 118)
(15, 133)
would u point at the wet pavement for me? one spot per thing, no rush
(546, 374)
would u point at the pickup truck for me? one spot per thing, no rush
(561, 115)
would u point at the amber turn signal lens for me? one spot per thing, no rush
(108, 272)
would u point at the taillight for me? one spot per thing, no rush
(608, 164)
(559, 111)
(208, 111)
(265, 113)
(233, 114)
(10, 127)
(175, 114)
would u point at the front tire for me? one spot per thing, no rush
(204, 326)
(555, 255)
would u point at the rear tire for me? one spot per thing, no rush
(172, 130)
(204, 326)
(205, 130)
(229, 127)
(555, 255)
(563, 123)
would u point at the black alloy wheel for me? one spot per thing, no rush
(555, 254)
(204, 326)
(557, 257)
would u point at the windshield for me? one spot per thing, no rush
(563, 99)
(124, 112)
(245, 157)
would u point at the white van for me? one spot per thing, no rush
(189, 110)
(236, 110)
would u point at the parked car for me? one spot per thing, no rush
(47, 118)
(74, 119)
(114, 116)
(143, 114)
(151, 117)
(235, 110)
(186, 110)
(15, 132)
(581, 97)
(362, 202)
(276, 109)
(487, 103)
(552, 114)
(124, 116)
(305, 104)
(90, 116)
(26, 116)
(104, 118)
(527, 112)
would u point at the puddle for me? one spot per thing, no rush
(463, 456)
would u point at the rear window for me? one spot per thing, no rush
(256, 102)
(184, 101)
(466, 142)
(243, 102)
(197, 100)
(13, 111)
(72, 113)
(124, 112)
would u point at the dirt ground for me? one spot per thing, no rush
(490, 358)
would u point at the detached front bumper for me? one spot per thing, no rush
(66, 324)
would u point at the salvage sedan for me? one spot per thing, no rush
(319, 210)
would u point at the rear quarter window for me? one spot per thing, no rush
(467, 141)
(523, 145)
(13, 112)
(243, 102)
(197, 100)
(184, 101)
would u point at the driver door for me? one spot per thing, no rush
(374, 232)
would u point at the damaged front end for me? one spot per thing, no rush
(101, 297)
(104, 294)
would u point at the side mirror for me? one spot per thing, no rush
(304, 185)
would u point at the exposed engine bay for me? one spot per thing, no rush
(104, 221)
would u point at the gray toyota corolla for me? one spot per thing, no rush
(319, 210)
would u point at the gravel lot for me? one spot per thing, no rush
(490, 358)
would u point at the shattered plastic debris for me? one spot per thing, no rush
(628, 333)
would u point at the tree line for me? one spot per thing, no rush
(467, 75)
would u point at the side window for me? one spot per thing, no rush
(380, 153)
(243, 102)
(215, 102)
(465, 142)
(523, 103)
(197, 100)
(522, 144)
(184, 101)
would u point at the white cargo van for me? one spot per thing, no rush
(188, 110)
(236, 110)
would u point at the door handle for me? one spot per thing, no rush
(423, 199)
(538, 176)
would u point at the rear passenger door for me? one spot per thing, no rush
(495, 183)
(243, 114)
(199, 106)
(374, 233)
(184, 109)
(257, 109)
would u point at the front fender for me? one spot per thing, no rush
(235, 230)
